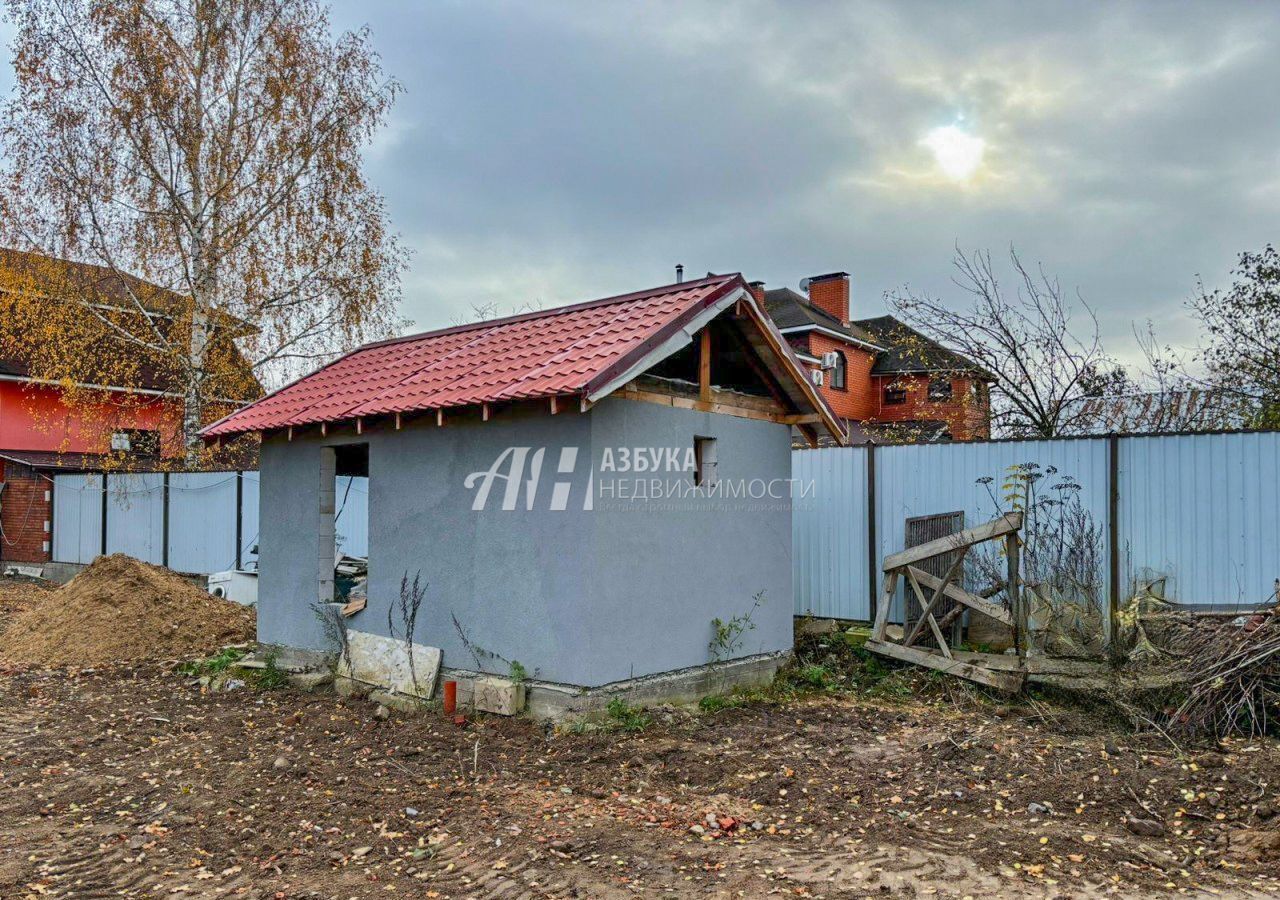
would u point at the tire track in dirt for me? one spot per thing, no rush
(85, 859)
(87, 865)
(520, 871)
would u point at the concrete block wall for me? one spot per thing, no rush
(578, 596)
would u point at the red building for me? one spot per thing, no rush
(40, 434)
(43, 432)
(889, 382)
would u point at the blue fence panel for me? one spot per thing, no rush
(135, 516)
(1198, 512)
(202, 521)
(352, 519)
(249, 522)
(829, 533)
(1202, 512)
(926, 479)
(77, 518)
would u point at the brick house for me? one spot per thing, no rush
(888, 381)
(110, 427)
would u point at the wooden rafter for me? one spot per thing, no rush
(704, 365)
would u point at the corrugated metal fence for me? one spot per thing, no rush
(1201, 511)
(190, 522)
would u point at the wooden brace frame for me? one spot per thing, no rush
(903, 565)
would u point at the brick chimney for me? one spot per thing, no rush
(757, 290)
(830, 293)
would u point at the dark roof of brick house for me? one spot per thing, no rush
(906, 431)
(910, 351)
(23, 270)
(791, 309)
(98, 283)
(902, 348)
(149, 376)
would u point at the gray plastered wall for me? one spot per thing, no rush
(578, 596)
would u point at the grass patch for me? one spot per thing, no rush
(270, 677)
(216, 664)
(216, 668)
(717, 702)
(835, 663)
(624, 717)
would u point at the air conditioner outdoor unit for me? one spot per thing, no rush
(819, 377)
(829, 359)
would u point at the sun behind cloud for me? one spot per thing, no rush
(957, 152)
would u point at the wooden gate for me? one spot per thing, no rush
(907, 565)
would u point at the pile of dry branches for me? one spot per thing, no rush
(1233, 669)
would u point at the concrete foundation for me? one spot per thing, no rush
(556, 702)
(61, 572)
(498, 696)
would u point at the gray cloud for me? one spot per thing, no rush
(562, 151)
(552, 152)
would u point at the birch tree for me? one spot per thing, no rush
(214, 150)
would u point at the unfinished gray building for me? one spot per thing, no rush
(581, 491)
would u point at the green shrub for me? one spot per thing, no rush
(814, 675)
(270, 677)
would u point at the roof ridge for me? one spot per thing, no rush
(553, 311)
(545, 364)
(568, 350)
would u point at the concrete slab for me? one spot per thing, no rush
(404, 703)
(816, 627)
(384, 662)
(310, 681)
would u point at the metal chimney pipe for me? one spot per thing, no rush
(679, 273)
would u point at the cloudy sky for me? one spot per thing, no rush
(555, 151)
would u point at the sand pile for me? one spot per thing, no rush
(122, 609)
(18, 593)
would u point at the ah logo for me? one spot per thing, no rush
(519, 469)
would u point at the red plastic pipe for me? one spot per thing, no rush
(450, 697)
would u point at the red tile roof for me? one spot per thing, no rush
(569, 350)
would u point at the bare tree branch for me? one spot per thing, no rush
(1031, 343)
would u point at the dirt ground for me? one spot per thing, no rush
(134, 782)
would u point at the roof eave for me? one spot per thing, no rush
(675, 335)
(680, 334)
(831, 332)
